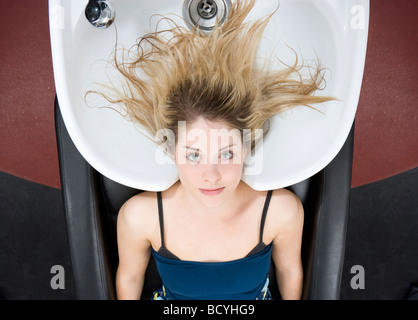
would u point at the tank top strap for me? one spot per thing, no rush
(161, 218)
(264, 214)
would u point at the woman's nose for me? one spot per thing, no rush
(211, 173)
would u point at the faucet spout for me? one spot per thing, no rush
(100, 13)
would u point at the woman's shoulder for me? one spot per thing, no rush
(139, 211)
(285, 210)
(143, 200)
(286, 200)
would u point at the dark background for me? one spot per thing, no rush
(383, 223)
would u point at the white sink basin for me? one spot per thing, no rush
(300, 143)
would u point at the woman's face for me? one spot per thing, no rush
(209, 159)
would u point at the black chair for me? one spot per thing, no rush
(92, 202)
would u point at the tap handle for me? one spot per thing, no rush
(93, 10)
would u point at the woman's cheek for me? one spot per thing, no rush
(232, 172)
(188, 172)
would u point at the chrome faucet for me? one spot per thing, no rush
(100, 13)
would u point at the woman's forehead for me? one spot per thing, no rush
(206, 134)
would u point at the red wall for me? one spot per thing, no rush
(386, 137)
(27, 134)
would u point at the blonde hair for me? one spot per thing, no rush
(181, 74)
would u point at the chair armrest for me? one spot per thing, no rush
(79, 181)
(326, 256)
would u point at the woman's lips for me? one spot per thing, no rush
(212, 192)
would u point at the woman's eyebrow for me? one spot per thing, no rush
(226, 147)
(195, 149)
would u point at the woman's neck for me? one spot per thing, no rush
(223, 213)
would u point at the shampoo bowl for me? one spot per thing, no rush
(299, 144)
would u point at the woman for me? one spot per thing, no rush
(212, 236)
(211, 216)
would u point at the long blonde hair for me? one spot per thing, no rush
(181, 74)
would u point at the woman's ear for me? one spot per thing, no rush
(167, 142)
(245, 151)
(247, 143)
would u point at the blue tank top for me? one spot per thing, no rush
(241, 279)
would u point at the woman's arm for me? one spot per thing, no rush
(287, 247)
(134, 250)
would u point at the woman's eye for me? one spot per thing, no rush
(226, 154)
(193, 156)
